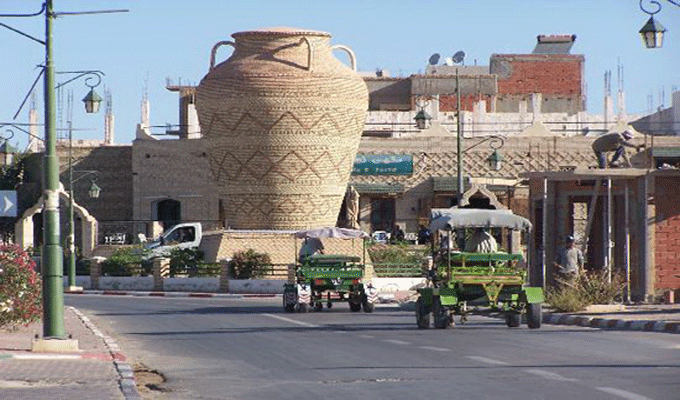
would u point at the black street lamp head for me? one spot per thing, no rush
(92, 101)
(422, 119)
(652, 33)
(495, 160)
(94, 191)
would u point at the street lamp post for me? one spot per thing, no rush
(93, 192)
(495, 142)
(459, 143)
(53, 294)
(52, 252)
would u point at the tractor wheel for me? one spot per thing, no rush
(441, 314)
(355, 307)
(318, 306)
(534, 315)
(303, 307)
(329, 305)
(368, 307)
(289, 308)
(422, 314)
(513, 319)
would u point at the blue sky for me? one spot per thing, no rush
(172, 39)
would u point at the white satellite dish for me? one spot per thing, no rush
(458, 57)
(434, 59)
(448, 61)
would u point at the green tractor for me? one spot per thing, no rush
(329, 278)
(491, 283)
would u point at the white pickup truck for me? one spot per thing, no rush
(181, 236)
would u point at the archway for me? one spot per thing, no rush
(24, 228)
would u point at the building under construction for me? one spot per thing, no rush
(626, 220)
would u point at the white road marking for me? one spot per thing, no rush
(367, 336)
(623, 393)
(487, 360)
(292, 321)
(434, 348)
(549, 375)
(394, 341)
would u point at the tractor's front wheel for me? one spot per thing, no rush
(422, 314)
(513, 319)
(534, 315)
(355, 307)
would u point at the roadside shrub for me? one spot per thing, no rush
(249, 264)
(565, 299)
(190, 262)
(394, 254)
(20, 288)
(597, 289)
(591, 287)
(126, 261)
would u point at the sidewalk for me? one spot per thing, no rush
(97, 370)
(641, 317)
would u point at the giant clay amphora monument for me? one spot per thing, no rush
(282, 119)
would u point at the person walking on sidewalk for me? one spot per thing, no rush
(569, 262)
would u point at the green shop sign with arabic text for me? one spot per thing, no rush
(383, 164)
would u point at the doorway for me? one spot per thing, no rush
(169, 212)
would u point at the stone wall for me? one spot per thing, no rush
(177, 170)
(281, 247)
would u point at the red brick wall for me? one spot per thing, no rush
(448, 102)
(547, 74)
(667, 234)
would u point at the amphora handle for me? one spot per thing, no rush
(350, 53)
(214, 51)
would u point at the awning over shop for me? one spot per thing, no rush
(385, 189)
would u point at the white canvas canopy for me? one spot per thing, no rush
(453, 218)
(331, 232)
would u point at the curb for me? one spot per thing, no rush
(613, 324)
(177, 294)
(126, 380)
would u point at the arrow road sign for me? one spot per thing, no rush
(8, 203)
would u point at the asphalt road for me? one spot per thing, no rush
(250, 349)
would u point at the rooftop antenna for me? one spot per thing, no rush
(459, 57)
(434, 59)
